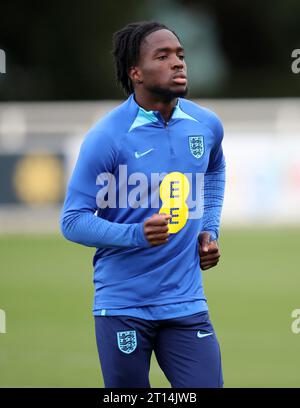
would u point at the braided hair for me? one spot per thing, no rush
(126, 48)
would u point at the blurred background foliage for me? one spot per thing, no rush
(60, 50)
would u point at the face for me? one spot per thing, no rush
(161, 69)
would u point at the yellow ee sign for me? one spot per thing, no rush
(174, 190)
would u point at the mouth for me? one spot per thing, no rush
(180, 78)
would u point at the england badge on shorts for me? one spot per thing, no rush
(127, 341)
(196, 146)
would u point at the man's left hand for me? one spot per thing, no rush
(208, 251)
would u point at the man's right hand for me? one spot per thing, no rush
(156, 229)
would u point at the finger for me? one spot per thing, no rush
(204, 241)
(157, 237)
(206, 261)
(202, 264)
(204, 268)
(207, 265)
(158, 220)
(210, 251)
(166, 216)
(153, 229)
(213, 245)
(209, 257)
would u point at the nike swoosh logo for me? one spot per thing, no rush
(201, 335)
(138, 155)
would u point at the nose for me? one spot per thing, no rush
(177, 63)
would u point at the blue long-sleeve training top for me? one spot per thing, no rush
(131, 165)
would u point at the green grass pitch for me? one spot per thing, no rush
(46, 291)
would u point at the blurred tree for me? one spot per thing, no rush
(60, 50)
(258, 39)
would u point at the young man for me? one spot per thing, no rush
(136, 195)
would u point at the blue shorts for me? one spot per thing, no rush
(186, 349)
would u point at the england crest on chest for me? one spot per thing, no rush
(196, 144)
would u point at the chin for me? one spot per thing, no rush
(181, 93)
(168, 94)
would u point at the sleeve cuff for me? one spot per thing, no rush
(142, 241)
(213, 236)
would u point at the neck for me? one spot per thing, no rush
(156, 103)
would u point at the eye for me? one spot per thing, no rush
(162, 57)
(181, 57)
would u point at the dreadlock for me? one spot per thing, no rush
(126, 48)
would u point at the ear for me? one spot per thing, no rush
(135, 75)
